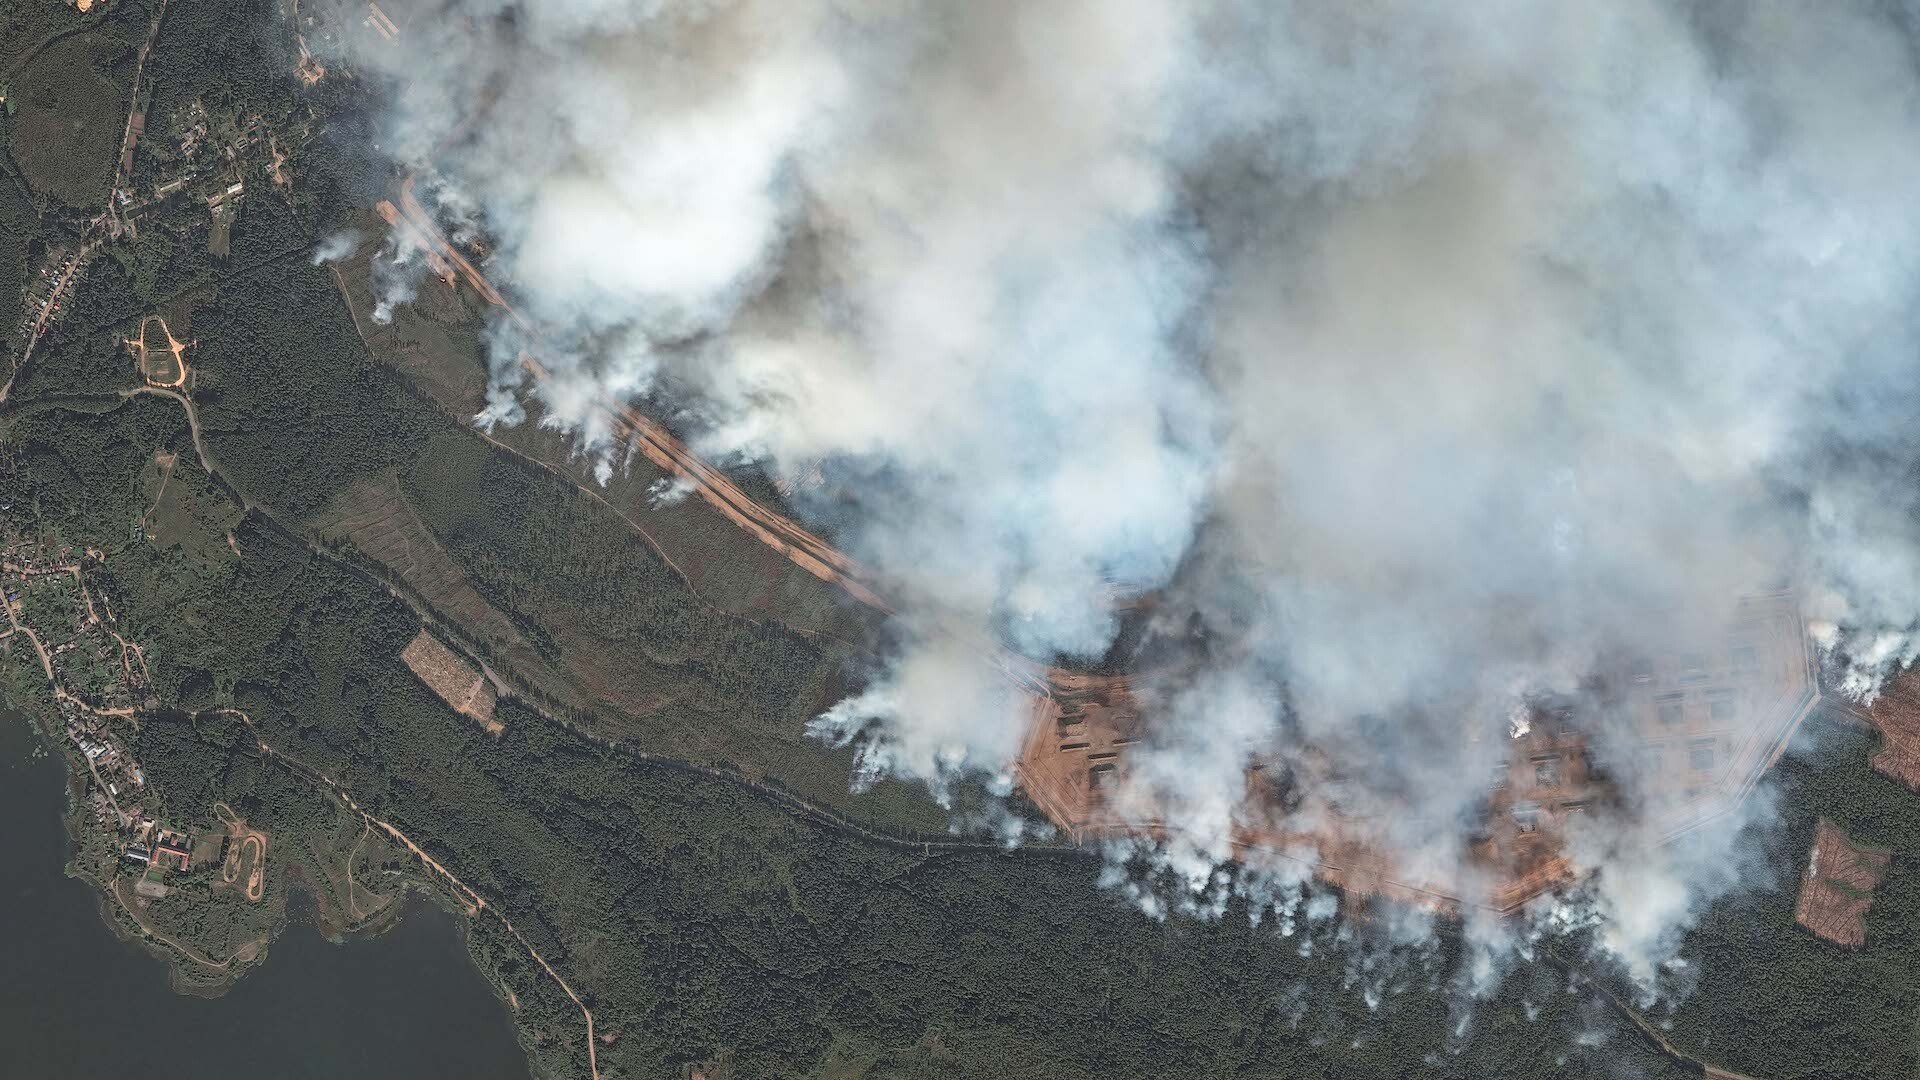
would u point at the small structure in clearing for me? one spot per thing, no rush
(1837, 888)
(452, 679)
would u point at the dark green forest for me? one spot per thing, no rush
(623, 821)
(704, 921)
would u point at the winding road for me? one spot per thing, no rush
(471, 900)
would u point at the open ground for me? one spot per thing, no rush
(162, 361)
(1837, 888)
(1896, 712)
(246, 865)
(454, 681)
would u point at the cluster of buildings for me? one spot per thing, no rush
(96, 677)
(210, 159)
(153, 846)
(46, 292)
(48, 603)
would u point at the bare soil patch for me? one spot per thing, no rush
(161, 357)
(375, 517)
(452, 679)
(1896, 712)
(1838, 885)
(246, 865)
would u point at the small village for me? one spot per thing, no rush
(204, 163)
(62, 628)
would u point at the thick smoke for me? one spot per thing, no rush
(1421, 355)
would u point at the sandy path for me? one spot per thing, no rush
(178, 348)
(131, 908)
(380, 902)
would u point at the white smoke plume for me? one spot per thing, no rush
(668, 492)
(396, 271)
(334, 247)
(1421, 355)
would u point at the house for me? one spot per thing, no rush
(175, 848)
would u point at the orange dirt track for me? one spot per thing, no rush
(174, 345)
(1073, 755)
(665, 450)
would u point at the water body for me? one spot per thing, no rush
(76, 1001)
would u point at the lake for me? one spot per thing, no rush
(76, 1001)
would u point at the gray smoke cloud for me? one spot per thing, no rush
(1423, 356)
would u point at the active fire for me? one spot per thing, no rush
(1700, 720)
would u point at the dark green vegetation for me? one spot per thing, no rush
(69, 108)
(19, 239)
(700, 920)
(1854, 1014)
(413, 1006)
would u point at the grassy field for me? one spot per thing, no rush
(69, 119)
(186, 513)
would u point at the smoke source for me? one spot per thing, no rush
(1420, 355)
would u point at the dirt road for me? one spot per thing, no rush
(130, 907)
(775, 530)
(715, 488)
(174, 345)
(471, 900)
(136, 122)
(193, 425)
(58, 293)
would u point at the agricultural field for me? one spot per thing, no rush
(569, 604)
(702, 920)
(434, 343)
(374, 517)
